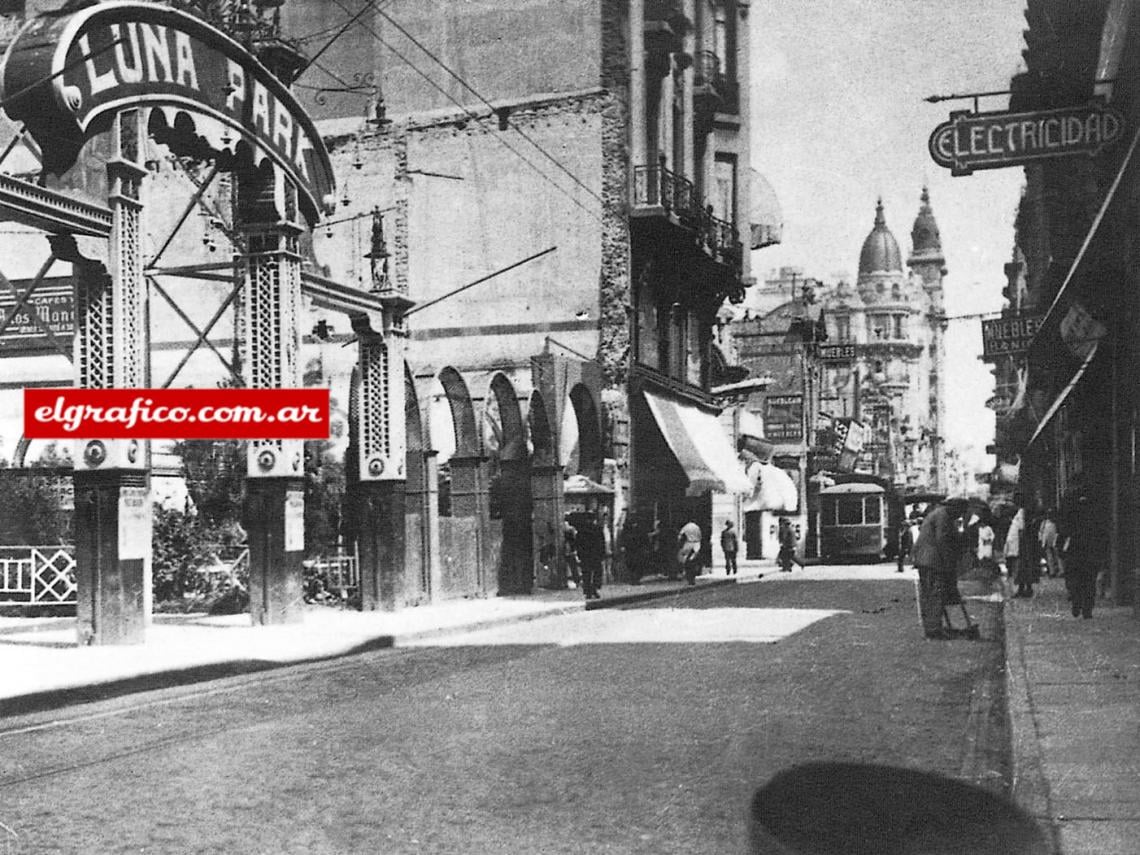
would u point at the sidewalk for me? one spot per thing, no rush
(43, 665)
(1074, 705)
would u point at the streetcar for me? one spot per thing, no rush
(855, 522)
(859, 519)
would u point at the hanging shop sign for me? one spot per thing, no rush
(1008, 336)
(52, 302)
(784, 418)
(837, 352)
(66, 75)
(970, 141)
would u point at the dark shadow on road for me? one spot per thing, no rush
(861, 809)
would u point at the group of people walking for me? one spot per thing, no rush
(1067, 543)
(655, 551)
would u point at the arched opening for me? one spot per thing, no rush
(586, 501)
(454, 435)
(509, 488)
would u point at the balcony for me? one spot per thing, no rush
(661, 194)
(713, 92)
(665, 28)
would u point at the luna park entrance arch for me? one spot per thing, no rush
(91, 87)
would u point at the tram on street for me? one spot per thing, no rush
(854, 522)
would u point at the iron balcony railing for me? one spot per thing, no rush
(658, 187)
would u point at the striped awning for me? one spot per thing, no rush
(700, 445)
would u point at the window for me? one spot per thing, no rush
(843, 328)
(872, 509)
(827, 511)
(647, 329)
(851, 511)
(724, 205)
(693, 369)
(899, 327)
(724, 43)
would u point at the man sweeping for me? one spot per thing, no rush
(936, 556)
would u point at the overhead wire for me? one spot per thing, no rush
(488, 104)
(472, 115)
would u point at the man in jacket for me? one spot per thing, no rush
(591, 553)
(936, 556)
(729, 546)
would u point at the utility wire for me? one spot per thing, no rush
(365, 8)
(474, 117)
(490, 106)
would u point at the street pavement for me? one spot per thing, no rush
(643, 729)
(1072, 686)
(1074, 705)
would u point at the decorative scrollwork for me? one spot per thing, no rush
(363, 83)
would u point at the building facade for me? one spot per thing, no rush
(608, 155)
(895, 319)
(1067, 411)
(866, 352)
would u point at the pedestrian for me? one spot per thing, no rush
(1015, 567)
(1084, 543)
(936, 556)
(729, 546)
(985, 553)
(608, 552)
(591, 546)
(904, 544)
(655, 548)
(570, 549)
(1031, 556)
(689, 549)
(1049, 544)
(786, 537)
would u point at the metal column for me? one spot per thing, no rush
(270, 270)
(112, 502)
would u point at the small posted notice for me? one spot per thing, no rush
(134, 523)
(294, 521)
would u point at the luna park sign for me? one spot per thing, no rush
(66, 75)
(971, 141)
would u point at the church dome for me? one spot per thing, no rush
(925, 235)
(880, 250)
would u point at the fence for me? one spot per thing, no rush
(40, 575)
(341, 572)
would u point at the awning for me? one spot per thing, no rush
(580, 485)
(1060, 399)
(775, 490)
(700, 445)
(1108, 197)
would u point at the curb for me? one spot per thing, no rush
(56, 698)
(1029, 787)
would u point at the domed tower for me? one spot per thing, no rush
(928, 266)
(891, 400)
(880, 253)
(926, 258)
